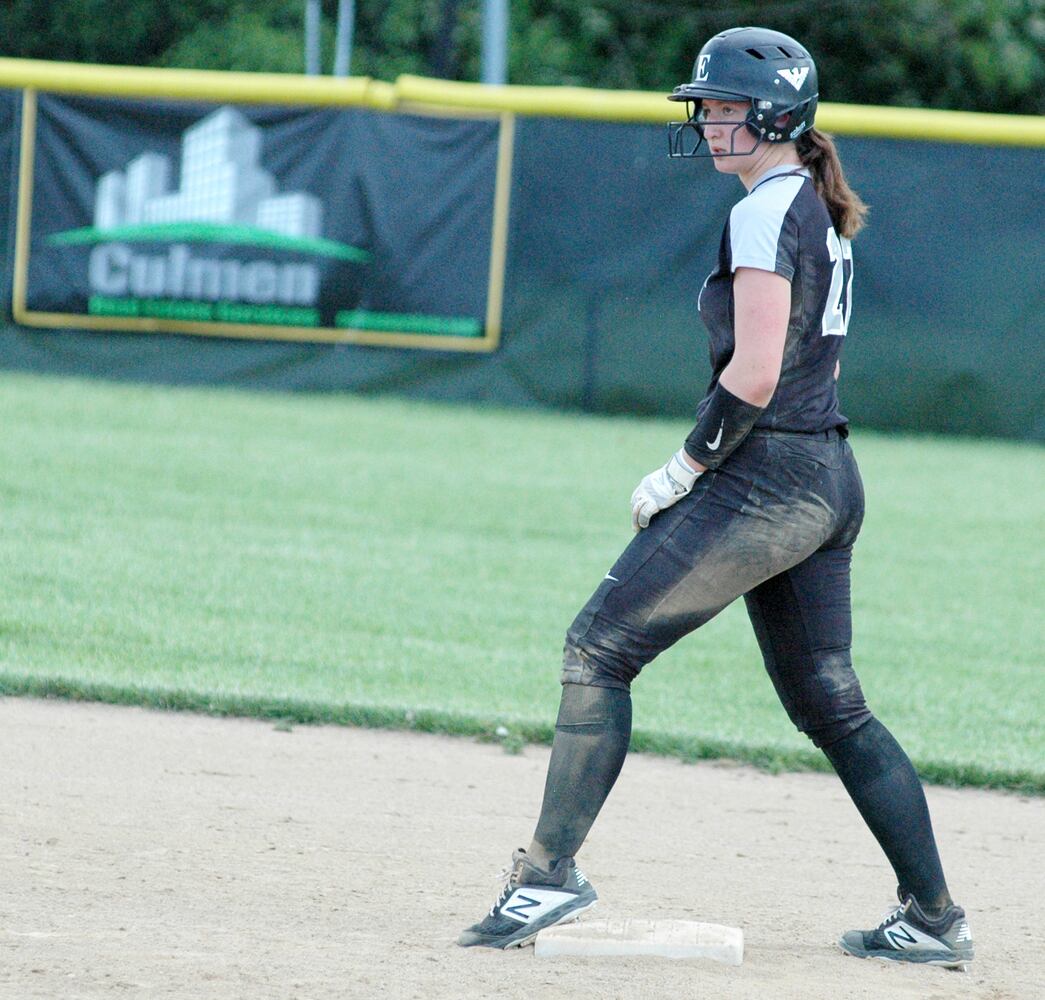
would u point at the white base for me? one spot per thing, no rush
(665, 938)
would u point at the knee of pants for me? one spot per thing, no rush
(830, 703)
(597, 663)
(824, 734)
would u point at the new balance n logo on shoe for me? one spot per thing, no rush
(900, 936)
(963, 933)
(530, 900)
(526, 905)
(519, 908)
(906, 937)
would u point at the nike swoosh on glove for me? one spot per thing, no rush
(660, 489)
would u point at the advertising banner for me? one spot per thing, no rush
(322, 225)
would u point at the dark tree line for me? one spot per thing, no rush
(984, 55)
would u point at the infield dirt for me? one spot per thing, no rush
(145, 854)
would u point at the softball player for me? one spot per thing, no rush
(763, 500)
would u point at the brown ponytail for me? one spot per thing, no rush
(817, 152)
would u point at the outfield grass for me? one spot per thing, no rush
(402, 563)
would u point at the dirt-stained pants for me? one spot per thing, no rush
(775, 523)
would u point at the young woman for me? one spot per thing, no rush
(764, 501)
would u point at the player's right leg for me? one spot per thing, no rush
(802, 621)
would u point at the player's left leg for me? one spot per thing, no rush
(734, 529)
(542, 888)
(802, 621)
(608, 643)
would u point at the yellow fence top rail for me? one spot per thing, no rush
(409, 92)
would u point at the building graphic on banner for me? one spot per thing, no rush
(221, 181)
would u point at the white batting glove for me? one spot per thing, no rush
(660, 489)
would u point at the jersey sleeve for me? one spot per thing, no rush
(763, 232)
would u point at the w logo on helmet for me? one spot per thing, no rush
(796, 76)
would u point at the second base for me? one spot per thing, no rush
(664, 938)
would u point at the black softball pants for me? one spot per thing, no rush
(776, 524)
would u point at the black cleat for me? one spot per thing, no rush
(908, 935)
(530, 900)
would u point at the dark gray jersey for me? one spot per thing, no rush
(784, 227)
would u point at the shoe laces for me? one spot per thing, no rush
(505, 877)
(890, 915)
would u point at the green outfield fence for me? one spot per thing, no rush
(556, 261)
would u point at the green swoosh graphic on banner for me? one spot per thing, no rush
(210, 232)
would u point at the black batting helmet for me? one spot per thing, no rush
(765, 68)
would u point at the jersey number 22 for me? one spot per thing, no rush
(840, 297)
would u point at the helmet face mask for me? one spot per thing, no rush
(687, 139)
(767, 71)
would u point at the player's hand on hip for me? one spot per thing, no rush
(660, 489)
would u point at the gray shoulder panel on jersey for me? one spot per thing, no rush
(758, 236)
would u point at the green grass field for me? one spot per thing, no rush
(398, 563)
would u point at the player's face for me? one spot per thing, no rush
(725, 133)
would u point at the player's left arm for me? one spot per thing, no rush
(762, 310)
(762, 305)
